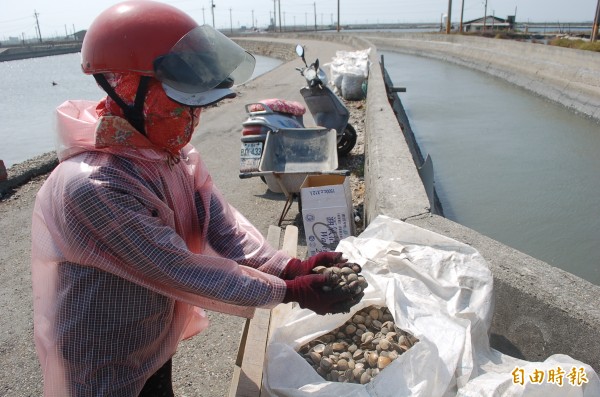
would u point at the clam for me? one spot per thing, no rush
(315, 357)
(372, 358)
(350, 329)
(358, 319)
(365, 378)
(346, 277)
(374, 314)
(383, 362)
(342, 364)
(367, 337)
(326, 363)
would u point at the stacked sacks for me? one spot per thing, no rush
(349, 74)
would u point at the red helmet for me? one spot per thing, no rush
(196, 64)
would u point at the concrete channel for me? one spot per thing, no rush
(540, 310)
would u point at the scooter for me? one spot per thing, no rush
(325, 106)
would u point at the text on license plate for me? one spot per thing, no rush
(251, 150)
(250, 156)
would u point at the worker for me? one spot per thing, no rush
(131, 239)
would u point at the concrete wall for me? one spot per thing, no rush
(15, 53)
(539, 310)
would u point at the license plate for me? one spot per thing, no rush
(250, 154)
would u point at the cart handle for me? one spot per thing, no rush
(246, 175)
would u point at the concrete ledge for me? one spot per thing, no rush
(21, 173)
(36, 51)
(272, 49)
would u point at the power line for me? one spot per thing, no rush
(14, 20)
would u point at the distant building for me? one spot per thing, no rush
(79, 35)
(491, 23)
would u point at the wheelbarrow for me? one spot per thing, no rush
(290, 155)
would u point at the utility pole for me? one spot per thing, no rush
(35, 14)
(596, 21)
(449, 20)
(279, 3)
(315, 8)
(274, 15)
(212, 8)
(230, 22)
(338, 27)
(462, 11)
(253, 18)
(484, 15)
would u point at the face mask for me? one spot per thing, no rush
(168, 125)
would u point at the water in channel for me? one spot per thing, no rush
(33, 88)
(507, 163)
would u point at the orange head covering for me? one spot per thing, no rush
(168, 125)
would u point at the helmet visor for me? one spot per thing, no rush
(202, 60)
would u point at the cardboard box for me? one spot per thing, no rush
(327, 212)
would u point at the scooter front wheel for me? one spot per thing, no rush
(347, 141)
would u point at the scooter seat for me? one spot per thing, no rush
(280, 106)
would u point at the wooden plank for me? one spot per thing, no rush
(290, 241)
(247, 373)
(251, 371)
(274, 235)
(290, 246)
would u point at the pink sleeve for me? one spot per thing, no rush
(110, 227)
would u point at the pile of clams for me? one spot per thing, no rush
(358, 350)
(346, 278)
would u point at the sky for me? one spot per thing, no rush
(61, 17)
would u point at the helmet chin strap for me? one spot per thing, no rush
(133, 114)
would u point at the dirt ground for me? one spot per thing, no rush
(355, 162)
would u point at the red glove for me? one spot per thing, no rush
(308, 292)
(296, 267)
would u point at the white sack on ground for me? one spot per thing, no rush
(349, 70)
(439, 290)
